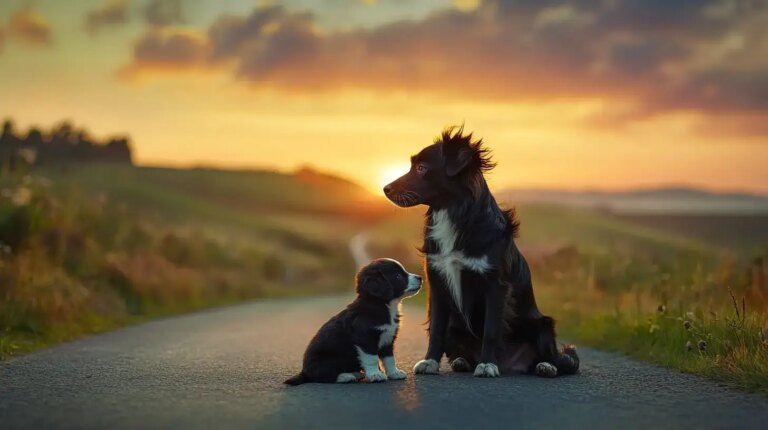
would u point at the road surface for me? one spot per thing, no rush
(224, 369)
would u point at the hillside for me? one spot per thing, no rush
(678, 200)
(90, 247)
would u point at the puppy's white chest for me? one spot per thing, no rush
(448, 261)
(389, 330)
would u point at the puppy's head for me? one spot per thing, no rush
(386, 280)
(442, 172)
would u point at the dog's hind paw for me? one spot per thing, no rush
(375, 377)
(345, 378)
(427, 367)
(487, 370)
(546, 370)
(460, 364)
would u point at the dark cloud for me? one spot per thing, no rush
(29, 28)
(113, 12)
(163, 13)
(268, 40)
(167, 49)
(657, 55)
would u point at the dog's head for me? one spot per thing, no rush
(386, 280)
(443, 172)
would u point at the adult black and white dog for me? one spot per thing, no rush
(363, 333)
(482, 312)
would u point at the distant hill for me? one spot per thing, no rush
(674, 200)
(253, 198)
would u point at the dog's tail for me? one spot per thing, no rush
(299, 379)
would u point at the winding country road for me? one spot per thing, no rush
(224, 369)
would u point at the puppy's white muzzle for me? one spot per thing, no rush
(414, 285)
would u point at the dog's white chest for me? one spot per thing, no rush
(448, 261)
(389, 331)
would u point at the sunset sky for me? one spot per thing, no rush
(603, 94)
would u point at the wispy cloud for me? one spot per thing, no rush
(164, 12)
(652, 55)
(113, 12)
(30, 28)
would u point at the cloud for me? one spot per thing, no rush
(164, 12)
(167, 49)
(30, 28)
(113, 12)
(654, 55)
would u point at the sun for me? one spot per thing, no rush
(390, 172)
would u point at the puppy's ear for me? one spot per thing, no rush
(372, 283)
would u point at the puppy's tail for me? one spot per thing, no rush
(299, 379)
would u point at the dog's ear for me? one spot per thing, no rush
(372, 283)
(457, 156)
(456, 164)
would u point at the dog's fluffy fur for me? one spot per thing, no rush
(482, 312)
(349, 346)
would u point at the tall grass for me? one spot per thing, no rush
(74, 261)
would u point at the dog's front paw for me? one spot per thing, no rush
(460, 365)
(487, 370)
(396, 374)
(375, 377)
(427, 367)
(546, 370)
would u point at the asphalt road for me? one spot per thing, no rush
(224, 369)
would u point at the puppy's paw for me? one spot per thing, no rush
(487, 370)
(375, 377)
(396, 374)
(345, 378)
(427, 367)
(546, 370)
(461, 365)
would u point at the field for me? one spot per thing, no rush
(94, 247)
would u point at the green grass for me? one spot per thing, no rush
(723, 346)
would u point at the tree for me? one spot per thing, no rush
(8, 138)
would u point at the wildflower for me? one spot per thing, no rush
(687, 324)
(44, 182)
(21, 196)
(702, 345)
(661, 309)
(689, 345)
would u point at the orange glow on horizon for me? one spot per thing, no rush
(389, 173)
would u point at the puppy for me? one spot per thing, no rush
(482, 312)
(363, 333)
